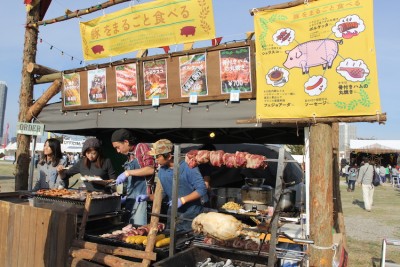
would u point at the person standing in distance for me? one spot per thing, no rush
(139, 173)
(365, 176)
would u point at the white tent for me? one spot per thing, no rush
(375, 146)
(39, 147)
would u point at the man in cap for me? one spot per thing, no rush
(191, 184)
(139, 173)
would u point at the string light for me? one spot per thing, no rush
(61, 51)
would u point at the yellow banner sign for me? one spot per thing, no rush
(317, 60)
(149, 25)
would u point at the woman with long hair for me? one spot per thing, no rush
(92, 164)
(48, 165)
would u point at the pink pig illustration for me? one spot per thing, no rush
(313, 53)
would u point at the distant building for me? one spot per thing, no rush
(3, 98)
(346, 133)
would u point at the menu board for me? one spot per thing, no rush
(126, 83)
(72, 91)
(193, 75)
(155, 79)
(235, 70)
(97, 92)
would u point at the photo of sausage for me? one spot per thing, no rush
(315, 86)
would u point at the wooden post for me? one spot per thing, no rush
(321, 196)
(25, 99)
(337, 198)
(153, 222)
(85, 216)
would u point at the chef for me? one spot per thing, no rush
(191, 184)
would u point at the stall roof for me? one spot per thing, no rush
(181, 123)
(375, 146)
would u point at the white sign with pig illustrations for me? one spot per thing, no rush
(317, 60)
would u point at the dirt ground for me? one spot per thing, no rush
(364, 230)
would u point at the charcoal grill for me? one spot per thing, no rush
(97, 205)
(280, 252)
(194, 255)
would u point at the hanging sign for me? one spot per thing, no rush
(154, 24)
(155, 79)
(316, 60)
(126, 81)
(72, 91)
(30, 128)
(235, 70)
(97, 92)
(193, 75)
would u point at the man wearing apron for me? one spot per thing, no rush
(139, 173)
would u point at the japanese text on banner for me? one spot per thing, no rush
(317, 60)
(148, 25)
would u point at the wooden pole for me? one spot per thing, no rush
(39, 69)
(37, 107)
(321, 196)
(337, 197)
(153, 223)
(85, 216)
(48, 78)
(25, 100)
(77, 13)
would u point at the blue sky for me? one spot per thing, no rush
(232, 20)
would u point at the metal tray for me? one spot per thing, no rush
(97, 205)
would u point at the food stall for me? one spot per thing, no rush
(156, 103)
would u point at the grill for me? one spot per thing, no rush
(194, 256)
(280, 252)
(97, 205)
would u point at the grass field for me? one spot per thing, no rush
(364, 230)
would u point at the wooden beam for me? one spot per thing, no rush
(381, 118)
(37, 107)
(118, 251)
(39, 69)
(101, 258)
(77, 13)
(279, 6)
(48, 78)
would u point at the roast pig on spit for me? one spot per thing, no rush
(217, 225)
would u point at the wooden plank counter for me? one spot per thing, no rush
(33, 236)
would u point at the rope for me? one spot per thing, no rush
(333, 247)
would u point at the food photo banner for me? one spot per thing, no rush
(212, 74)
(149, 25)
(317, 60)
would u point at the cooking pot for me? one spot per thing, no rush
(287, 200)
(254, 181)
(261, 195)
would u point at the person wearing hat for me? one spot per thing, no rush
(93, 163)
(139, 173)
(51, 159)
(192, 188)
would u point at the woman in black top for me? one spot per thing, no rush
(92, 164)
